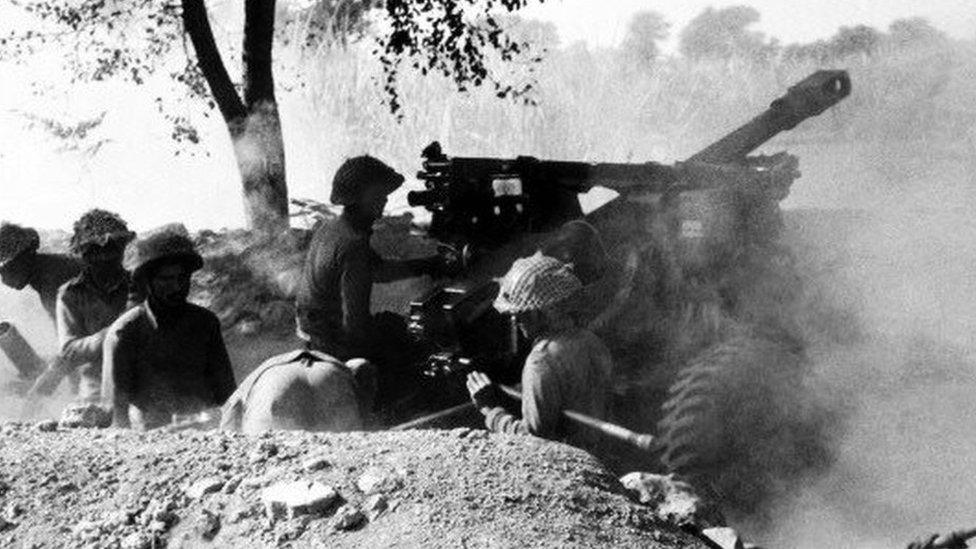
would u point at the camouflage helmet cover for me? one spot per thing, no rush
(356, 174)
(171, 244)
(99, 228)
(15, 240)
(535, 283)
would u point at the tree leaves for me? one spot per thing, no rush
(453, 38)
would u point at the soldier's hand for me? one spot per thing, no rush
(483, 392)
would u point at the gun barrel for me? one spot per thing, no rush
(808, 98)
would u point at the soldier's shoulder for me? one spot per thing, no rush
(129, 320)
(202, 314)
(71, 286)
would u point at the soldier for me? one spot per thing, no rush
(22, 266)
(89, 303)
(568, 367)
(333, 296)
(302, 390)
(165, 356)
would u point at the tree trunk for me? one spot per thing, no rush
(253, 123)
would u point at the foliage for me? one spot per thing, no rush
(724, 34)
(135, 40)
(645, 30)
(449, 37)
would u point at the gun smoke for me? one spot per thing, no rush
(905, 381)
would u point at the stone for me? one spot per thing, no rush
(12, 511)
(85, 416)
(671, 500)
(375, 505)
(724, 537)
(137, 540)
(231, 485)
(377, 479)
(117, 519)
(254, 482)
(48, 426)
(348, 517)
(6, 525)
(297, 498)
(203, 487)
(85, 527)
(208, 525)
(313, 464)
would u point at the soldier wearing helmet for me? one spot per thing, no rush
(568, 366)
(333, 297)
(88, 303)
(21, 265)
(165, 357)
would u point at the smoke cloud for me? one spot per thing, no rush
(905, 451)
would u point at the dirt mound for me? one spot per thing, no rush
(461, 488)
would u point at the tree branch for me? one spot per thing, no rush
(197, 26)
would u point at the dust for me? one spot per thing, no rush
(905, 451)
(24, 310)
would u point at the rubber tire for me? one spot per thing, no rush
(737, 421)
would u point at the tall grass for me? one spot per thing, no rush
(592, 105)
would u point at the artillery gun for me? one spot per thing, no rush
(694, 296)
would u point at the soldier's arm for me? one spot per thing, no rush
(541, 404)
(542, 399)
(220, 373)
(118, 361)
(77, 347)
(388, 270)
(356, 284)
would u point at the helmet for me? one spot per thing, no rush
(535, 283)
(355, 174)
(170, 245)
(577, 242)
(15, 240)
(98, 228)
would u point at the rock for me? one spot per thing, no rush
(12, 511)
(264, 451)
(48, 426)
(208, 526)
(6, 525)
(117, 519)
(137, 540)
(375, 505)
(377, 479)
(231, 485)
(670, 499)
(254, 482)
(348, 517)
(292, 499)
(85, 527)
(724, 537)
(159, 512)
(315, 464)
(203, 487)
(158, 526)
(85, 416)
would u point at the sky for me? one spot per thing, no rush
(48, 188)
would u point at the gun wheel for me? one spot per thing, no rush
(732, 421)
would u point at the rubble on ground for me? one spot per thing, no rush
(126, 489)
